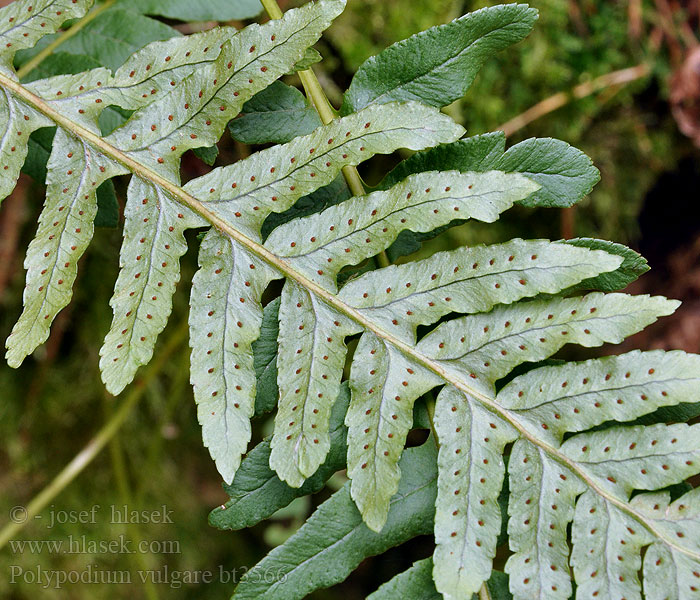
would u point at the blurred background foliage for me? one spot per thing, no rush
(54, 403)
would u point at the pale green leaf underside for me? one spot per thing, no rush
(246, 192)
(22, 24)
(225, 317)
(312, 349)
(607, 465)
(400, 298)
(361, 227)
(492, 344)
(578, 396)
(470, 475)
(540, 506)
(386, 383)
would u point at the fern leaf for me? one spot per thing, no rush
(470, 475)
(546, 476)
(615, 388)
(540, 508)
(671, 571)
(415, 583)
(154, 137)
(469, 280)
(606, 546)
(384, 385)
(24, 23)
(633, 266)
(225, 319)
(553, 482)
(265, 359)
(17, 122)
(238, 72)
(492, 344)
(311, 339)
(75, 171)
(361, 227)
(153, 244)
(437, 66)
(621, 459)
(565, 174)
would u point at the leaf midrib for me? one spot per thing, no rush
(332, 300)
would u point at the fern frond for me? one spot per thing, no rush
(501, 300)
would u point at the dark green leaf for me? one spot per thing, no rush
(633, 266)
(256, 492)
(416, 583)
(40, 143)
(311, 57)
(110, 38)
(565, 173)
(107, 206)
(265, 360)
(207, 155)
(437, 66)
(476, 153)
(276, 115)
(335, 540)
(198, 10)
(61, 63)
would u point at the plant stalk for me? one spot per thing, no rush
(555, 102)
(34, 62)
(126, 497)
(318, 97)
(94, 446)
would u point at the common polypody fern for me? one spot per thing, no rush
(184, 92)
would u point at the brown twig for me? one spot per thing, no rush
(616, 78)
(634, 19)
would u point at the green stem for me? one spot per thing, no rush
(30, 65)
(126, 498)
(318, 97)
(95, 445)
